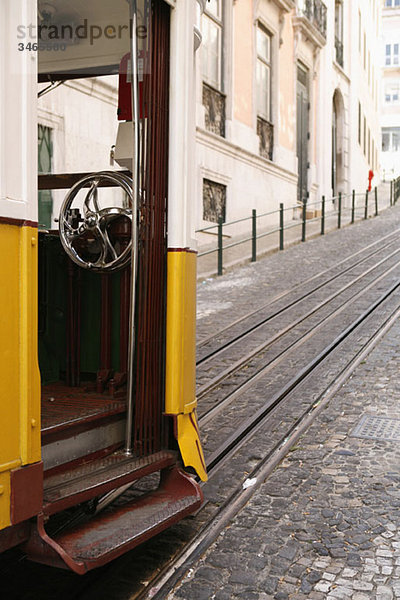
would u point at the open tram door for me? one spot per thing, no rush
(115, 287)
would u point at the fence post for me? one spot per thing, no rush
(391, 193)
(254, 235)
(339, 218)
(281, 226)
(220, 259)
(303, 226)
(376, 201)
(366, 205)
(323, 216)
(353, 205)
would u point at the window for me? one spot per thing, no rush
(265, 129)
(365, 52)
(213, 97)
(392, 93)
(365, 136)
(339, 32)
(263, 74)
(390, 3)
(212, 44)
(369, 146)
(391, 139)
(391, 54)
(45, 152)
(214, 201)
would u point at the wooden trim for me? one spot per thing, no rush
(17, 222)
(64, 181)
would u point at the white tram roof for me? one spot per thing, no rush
(78, 39)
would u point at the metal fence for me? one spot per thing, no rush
(354, 206)
(395, 190)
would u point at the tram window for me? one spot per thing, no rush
(45, 154)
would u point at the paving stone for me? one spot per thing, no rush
(384, 592)
(333, 505)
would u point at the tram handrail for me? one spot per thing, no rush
(369, 207)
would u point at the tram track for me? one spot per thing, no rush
(243, 362)
(219, 345)
(173, 574)
(360, 335)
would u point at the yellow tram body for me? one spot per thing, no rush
(23, 467)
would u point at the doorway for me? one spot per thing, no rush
(302, 115)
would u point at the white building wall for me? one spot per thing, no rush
(390, 117)
(82, 115)
(365, 88)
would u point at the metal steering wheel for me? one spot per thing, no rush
(93, 239)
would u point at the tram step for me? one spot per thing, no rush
(118, 529)
(78, 423)
(99, 476)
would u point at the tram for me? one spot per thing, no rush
(99, 444)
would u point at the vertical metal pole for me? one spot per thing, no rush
(303, 226)
(391, 194)
(281, 226)
(366, 205)
(323, 216)
(376, 201)
(135, 172)
(254, 235)
(353, 205)
(220, 258)
(339, 218)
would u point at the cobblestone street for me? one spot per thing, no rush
(326, 523)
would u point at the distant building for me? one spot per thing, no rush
(390, 120)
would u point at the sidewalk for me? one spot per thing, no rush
(326, 523)
(207, 265)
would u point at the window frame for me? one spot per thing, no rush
(266, 63)
(392, 58)
(218, 22)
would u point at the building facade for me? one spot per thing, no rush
(287, 105)
(391, 91)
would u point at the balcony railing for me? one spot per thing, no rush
(214, 104)
(339, 51)
(265, 132)
(315, 11)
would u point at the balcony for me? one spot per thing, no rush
(265, 132)
(339, 51)
(214, 104)
(311, 20)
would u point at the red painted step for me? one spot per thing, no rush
(63, 407)
(99, 476)
(118, 529)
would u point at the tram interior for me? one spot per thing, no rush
(83, 313)
(96, 443)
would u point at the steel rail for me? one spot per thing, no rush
(253, 328)
(256, 419)
(206, 340)
(222, 404)
(164, 581)
(208, 387)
